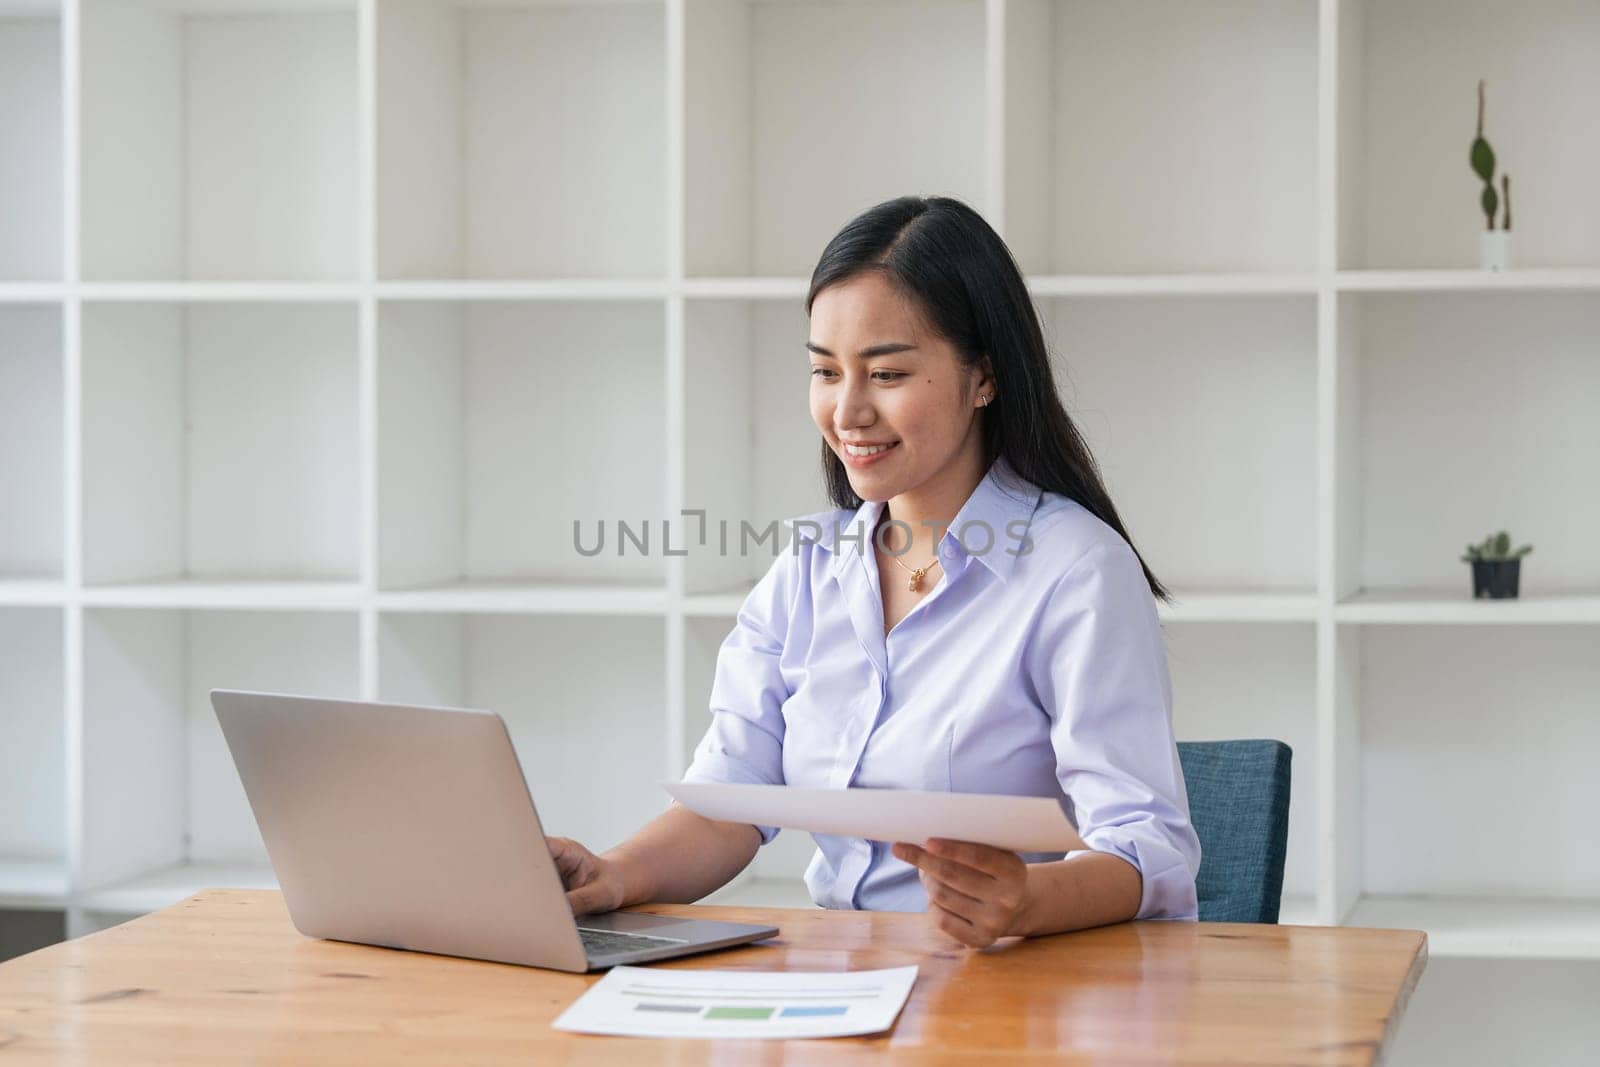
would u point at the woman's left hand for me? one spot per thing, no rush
(976, 893)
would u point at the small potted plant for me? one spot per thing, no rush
(1495, 568)
(1494, 246)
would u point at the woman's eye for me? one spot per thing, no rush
(877, 375)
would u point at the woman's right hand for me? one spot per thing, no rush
(593, 883)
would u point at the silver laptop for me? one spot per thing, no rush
(413, 828)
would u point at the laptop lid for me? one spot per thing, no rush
(413, 828)
(400, 826)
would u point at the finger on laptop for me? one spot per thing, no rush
(568, 854)
(582, 901)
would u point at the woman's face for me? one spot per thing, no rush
(882, 381)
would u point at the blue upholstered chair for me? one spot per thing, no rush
(1239, 805)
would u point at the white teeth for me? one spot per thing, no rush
(858, 450)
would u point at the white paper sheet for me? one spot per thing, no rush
(1022, 824)
(649, 1002)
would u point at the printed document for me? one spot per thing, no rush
(1021, 824)
(647, 1002)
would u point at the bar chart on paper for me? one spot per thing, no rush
(645, 1002)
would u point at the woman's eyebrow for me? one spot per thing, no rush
(866, 353)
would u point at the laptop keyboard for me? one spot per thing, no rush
(609, 942)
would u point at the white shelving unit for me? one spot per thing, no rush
(323, 321)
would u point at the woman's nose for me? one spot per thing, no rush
(854, 408)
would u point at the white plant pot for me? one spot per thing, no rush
(1494, 249)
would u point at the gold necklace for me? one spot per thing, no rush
(917, 575)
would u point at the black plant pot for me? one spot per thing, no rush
(1495, 579)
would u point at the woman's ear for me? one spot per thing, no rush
(985, 379)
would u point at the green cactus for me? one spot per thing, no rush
(1490, 202)
(1482, 159)
(1495, 547)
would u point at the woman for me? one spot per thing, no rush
(972, 618)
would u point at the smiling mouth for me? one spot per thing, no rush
(861, 451)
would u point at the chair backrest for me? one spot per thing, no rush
(1239, 807)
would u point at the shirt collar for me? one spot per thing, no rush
(989, 527)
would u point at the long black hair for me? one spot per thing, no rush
(944, 257)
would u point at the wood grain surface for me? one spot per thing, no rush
(225, 977)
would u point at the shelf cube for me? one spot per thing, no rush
(1477, 753)
(503, 423)
(523, 140)
(1408, 107)
(219, 141)
(33, 759)
(1467, 413)
(32, 473)
(801, 115)
(31, 167)
(1158, 138)
(220, 442)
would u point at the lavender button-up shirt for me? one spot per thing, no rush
(1035, 667)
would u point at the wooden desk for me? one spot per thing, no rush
(224, 977)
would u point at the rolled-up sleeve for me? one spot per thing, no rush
(1098, 664)
(744, 744)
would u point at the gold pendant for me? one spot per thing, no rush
(916, 580)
